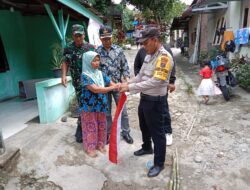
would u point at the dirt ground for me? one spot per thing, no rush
(213, 143)
(215, 154)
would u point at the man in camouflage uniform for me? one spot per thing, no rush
(73, 61)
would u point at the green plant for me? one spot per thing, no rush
(241, 67)
(57, 56)
(213, 52)
(189, 89)
(160, 10)
(202, 57)
(243, 75)
(130, 41)
(127, 19)
(115, 36)
(189, 86)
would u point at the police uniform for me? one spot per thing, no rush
(152, 83)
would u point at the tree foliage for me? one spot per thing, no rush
(160, 10)
(100, 5)
(127, 18)
(163, 11)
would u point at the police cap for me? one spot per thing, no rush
(149, 33)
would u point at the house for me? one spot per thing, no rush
(206, 21)
(27, 32)
(28, 29)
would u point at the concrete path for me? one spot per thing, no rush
(15, 114)
(51, 159)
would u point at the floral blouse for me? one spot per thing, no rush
(92, 102)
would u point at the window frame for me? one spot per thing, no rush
(218, 35)
(4, 64)
(245, 5)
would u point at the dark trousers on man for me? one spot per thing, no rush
(124, 119)
(151, 113)
(78, 133)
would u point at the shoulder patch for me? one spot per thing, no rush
(163, 67)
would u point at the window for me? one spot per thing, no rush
(245, 17)
(218, 34)
(4, 66)
(245, 14)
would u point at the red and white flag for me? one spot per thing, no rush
(115, 130)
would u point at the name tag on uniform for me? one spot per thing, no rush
(162, 67)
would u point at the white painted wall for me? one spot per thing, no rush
(234, 15)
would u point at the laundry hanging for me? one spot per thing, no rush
(228, 35)
(241, 36)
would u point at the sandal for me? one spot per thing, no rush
(101, 149)
(92, 154)
(206, 101)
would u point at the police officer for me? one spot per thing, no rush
(152, 83)
(73, 61)
(139, 59)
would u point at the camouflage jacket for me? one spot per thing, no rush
(73, 57)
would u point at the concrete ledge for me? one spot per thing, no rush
(53, 99)
(51, 82)
(8, 159)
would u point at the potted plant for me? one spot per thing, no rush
(57, 59)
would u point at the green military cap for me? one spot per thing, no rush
(77, 29)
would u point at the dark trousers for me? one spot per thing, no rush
(124, 119)
(182, 50)
(168, 127)
(151, 113)
(78, 133)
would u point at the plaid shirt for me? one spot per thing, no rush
(113, 63)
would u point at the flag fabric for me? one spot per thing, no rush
(115, 130)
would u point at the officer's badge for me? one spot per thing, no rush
(105, 31)
(163, 64)
(163, 67)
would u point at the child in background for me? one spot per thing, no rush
(94, 104)
(207, 87)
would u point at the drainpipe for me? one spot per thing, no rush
(2, 147)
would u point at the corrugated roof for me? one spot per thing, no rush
(36, 7)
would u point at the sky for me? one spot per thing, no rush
(188, 2)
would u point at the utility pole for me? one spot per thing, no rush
(2, 147)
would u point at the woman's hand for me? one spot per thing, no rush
(116, 86)
(124, 87)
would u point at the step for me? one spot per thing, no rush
(9, 158)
